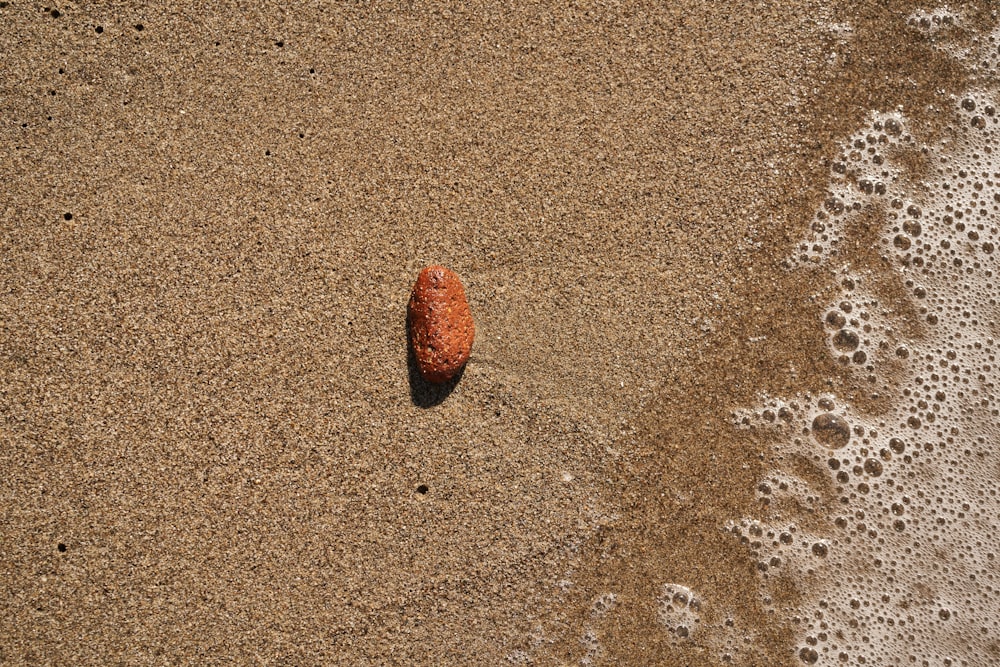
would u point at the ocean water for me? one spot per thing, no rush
(874, 534)
(893, 538)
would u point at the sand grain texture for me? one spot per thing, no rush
(208, 232)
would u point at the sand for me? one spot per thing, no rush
(213, 449)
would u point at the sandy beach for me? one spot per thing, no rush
(213, 448)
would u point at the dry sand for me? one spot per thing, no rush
(211, 446)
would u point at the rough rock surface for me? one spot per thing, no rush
(441, 327)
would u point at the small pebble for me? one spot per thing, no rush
(441, 327)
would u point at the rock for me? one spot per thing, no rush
(441, 327)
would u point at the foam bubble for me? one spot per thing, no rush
(603, 604)
(933, 21)
(680, 610)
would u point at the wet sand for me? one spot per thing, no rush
(214, 449)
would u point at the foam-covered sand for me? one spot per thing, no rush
(213, 448)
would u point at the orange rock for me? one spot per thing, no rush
(441, 328)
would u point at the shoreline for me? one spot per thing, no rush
(209, 241)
